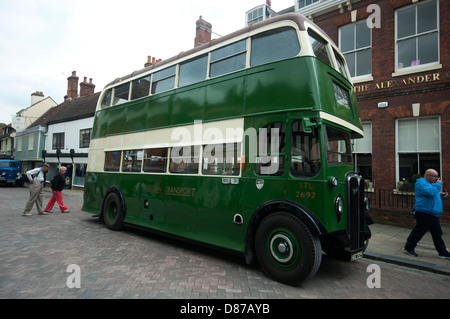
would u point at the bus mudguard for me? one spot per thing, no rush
(305, 215)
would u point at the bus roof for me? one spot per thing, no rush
(297, 18)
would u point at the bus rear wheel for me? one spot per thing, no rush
(113, 213)
(286, 250)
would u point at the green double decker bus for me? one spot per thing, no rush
(242, 143)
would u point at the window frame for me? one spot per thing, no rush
(296, 158)
(204, 72)
(231, 56)
(58, 141)
(256, 60)
(417, 67)
(417, 151)
(133, 94)
(265, 157)
(355, 50)
(305, 3)
(166, 75)
(84, 142)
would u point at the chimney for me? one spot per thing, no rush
(36, 97)
(151, 60)
(86, 88)
(72, 87)
(203, 31)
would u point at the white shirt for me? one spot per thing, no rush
(34, 171)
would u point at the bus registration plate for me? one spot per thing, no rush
(357, 255)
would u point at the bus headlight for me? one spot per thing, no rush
(366, 204)
(339, 207)
(333, 181)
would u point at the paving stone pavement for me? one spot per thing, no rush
(36, 251)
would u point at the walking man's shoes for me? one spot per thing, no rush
(411, 253)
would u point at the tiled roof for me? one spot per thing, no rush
(70, 110)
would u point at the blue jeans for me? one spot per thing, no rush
(426, 222)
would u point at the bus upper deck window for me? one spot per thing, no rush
(341, 64)
(164, 80)
(193, 71)
(140, 87)
(106, 102)
(121, 93)
(319, 46)
(228, 59)
(274, 45)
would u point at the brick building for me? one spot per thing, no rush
(398, 53)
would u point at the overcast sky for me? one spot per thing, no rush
(43, 41)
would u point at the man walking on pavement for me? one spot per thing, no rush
(37, 180)
(428, 207)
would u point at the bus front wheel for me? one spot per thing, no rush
(113, 213)
(286, 250)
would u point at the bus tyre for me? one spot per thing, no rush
(286, 250)
(113, 213)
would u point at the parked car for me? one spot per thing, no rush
(11, 172)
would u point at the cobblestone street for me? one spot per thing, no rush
(36, 251)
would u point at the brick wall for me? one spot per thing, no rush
(430, 88)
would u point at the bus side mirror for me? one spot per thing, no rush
(307, 124)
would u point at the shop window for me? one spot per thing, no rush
(80, 174)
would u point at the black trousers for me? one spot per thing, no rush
(426, 222)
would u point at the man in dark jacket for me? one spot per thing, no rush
(58, 183)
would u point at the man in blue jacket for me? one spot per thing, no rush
(427, 208)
